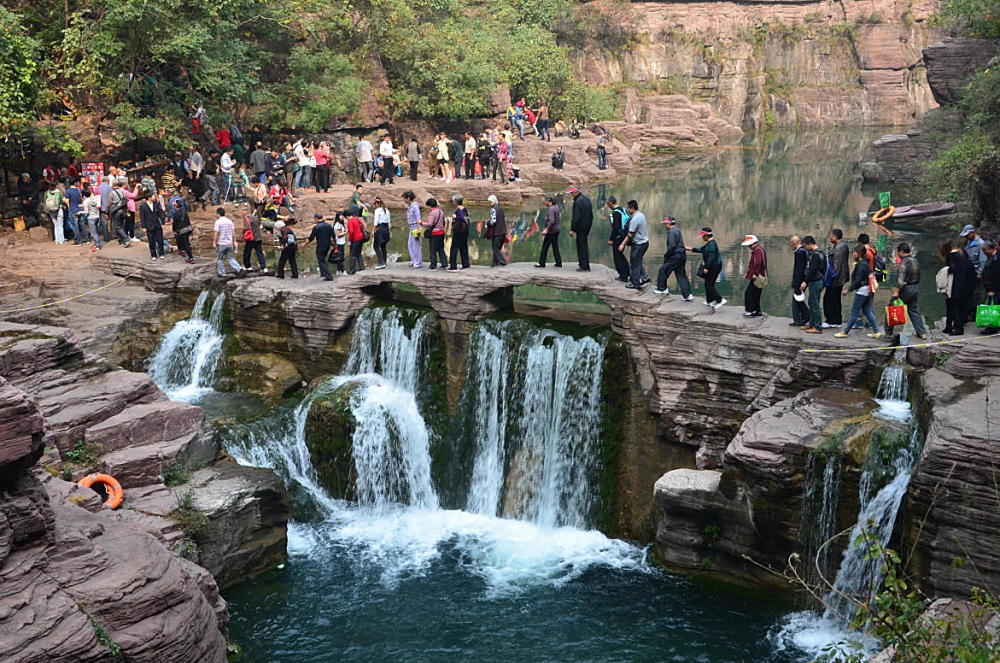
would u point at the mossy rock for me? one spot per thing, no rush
(329, 431)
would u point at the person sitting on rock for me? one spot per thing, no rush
(558, 158)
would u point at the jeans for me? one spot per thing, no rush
(254, 247)
(908, 293)
(637, 275)
(118, 221)
(305, 181)
(356, 263)
(751, 298)
(862, 304)
(93, 223)
(288, 255)
(413, 245)
(79, 228)
(583, 249)
(224, 254)
(368, 171)
(211, 189)
(543, 129)
(459, 247)
(602, 158)
(519, 123)
(550, 239)
(677, 265)
(815, 312)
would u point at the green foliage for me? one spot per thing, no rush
(187, 515)
(114, 649)
(582, 101)
(176, 473)
(19, 75)
(56, 138)
(84, 454)
(321, 85)
(977, 18)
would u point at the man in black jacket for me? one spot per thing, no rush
(619, 228)
(840, 258)
(800, 312)
(812, 282)
(583, 219)
(151, 216)
(322, 232)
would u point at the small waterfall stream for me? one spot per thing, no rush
(892, 454)
(184, 363)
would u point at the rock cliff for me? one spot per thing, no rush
(78, 580)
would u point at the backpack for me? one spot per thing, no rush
(880, 271)
(235, 134)
(625, 219)
(829, 274)
(52, 200)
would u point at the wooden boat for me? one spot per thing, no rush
(927, 209)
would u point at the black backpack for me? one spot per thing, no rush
(879, 269)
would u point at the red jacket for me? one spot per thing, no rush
(758, 262)
(222, 137)
(355, 229)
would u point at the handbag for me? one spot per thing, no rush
(489, 232)
(872, 284)
(988, 316)
(248, 235)
(760, 281)
(186, 230)
(365, 235)
(943, 281)
(895, 313)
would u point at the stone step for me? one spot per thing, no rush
(138, 466)
(145, 423)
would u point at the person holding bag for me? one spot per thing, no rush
(435, 225)
(459, 236)
(860, 285)
(253, 240)
(711, 267)
(963, 282)
(756, 277)
(988, 313)
(182, 231)
(906, 290)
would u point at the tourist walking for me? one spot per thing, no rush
(74, 203)
(117, 208)
(583, 219)
(366, 160)
(602, 150)
(321, 152)
(813, 284)
(210, 189)
(542, 124)
(413, 225)
(182, 231)
(92, 210)
(674, 262)
(387, 152)
(800, 313)
(974, 250)
(496, 231)
(859, 285)
(253, 241)
(322, 232)
(151, 216)
(619, 229)
(258, 163)
(436, 225)
(381, 232)
(840, 260)
(55, 205)
(711, 267)
(907, 280)
(356, 237)
(756, 277)
(550, 233)
(638, 238)
(286, 239)
(459, 236)
(963, 282)
(413, 157)
(338, 256)
(224, 241)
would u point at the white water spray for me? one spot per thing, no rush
(184, 363)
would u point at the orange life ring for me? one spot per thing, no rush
(115, 492)
(883, 214)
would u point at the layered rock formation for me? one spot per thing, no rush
(78, 581)
(779, 63)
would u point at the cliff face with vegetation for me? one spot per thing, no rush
(779, 63)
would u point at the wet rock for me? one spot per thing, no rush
(329, 426)
(951, 61)
(265, 374)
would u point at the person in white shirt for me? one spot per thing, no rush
(381, 237)
(196, 163)
(470, 156)
(226, 165)
(92, 208)
(387, 152)
(364, 151)
(224, 241)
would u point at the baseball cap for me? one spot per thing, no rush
(705, 232)
(669, 220)
(969, 228)
(572, 189)
(749, 240)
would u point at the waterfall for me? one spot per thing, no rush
(184, 363)
(537, 396)
(892, 454)
(383, 344)
(820, 501)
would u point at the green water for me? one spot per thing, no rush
(773, 186)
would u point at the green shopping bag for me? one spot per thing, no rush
(880, 243)
(988, 316)
(883, 199)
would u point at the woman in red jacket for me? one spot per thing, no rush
(435, 225)
(356, 237)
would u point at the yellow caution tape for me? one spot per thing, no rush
(889, 347)
(69, 299)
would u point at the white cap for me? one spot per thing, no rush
(749, 240)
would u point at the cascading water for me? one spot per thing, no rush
(885, 476)
(820, 501)
(396, 522)
(540, 467)
(184, 363)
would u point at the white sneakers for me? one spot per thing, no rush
(689, 298)
(661, 292)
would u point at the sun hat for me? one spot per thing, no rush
(966, 230)
(749, 240)
(572, 189)
(705, 232)
(669, 220)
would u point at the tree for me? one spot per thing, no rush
(19, 77)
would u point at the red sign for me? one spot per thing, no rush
(93, 172)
